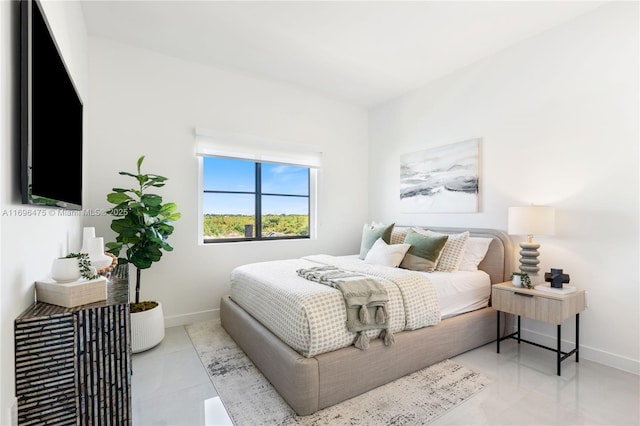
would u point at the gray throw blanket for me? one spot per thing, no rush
(365, 300)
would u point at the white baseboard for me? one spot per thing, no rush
(14, 412)
(587, 352)
(184, 319)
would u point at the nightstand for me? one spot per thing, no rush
(539, 305)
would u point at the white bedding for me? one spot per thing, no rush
(311, 317)
(462, 291)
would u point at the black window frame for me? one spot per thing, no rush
(258, 207)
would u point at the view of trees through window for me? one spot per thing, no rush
(245, 200)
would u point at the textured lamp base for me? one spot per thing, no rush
(529, 257)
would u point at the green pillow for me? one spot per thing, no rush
(371, 233)
(424, 251)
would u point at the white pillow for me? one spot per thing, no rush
(475, 251)
(384, 254)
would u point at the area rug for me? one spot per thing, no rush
(250, 400)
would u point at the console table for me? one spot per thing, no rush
(73, 365)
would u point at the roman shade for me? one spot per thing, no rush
(246, 147)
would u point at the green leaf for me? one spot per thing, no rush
(113, 246)
(153, 177)
(168, 208)
(167, 247)
(118, 198)
(142, 179)
(139, 163)
(141, 263)
(151, 200)
(156, 181)
(121, 226)
(173, 217)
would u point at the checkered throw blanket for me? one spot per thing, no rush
(365, 300)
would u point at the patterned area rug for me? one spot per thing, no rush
(249, 398)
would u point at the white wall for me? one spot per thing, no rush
(29, 244)
(558, 118)
(144, 103)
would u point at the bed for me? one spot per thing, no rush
(311, 374)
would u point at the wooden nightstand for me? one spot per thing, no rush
(544, 306)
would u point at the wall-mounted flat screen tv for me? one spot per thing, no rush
(51, 117)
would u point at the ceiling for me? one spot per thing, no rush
(361, 52)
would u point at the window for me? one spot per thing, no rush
(254, 189)
(247, 200)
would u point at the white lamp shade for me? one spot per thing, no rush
(531, 220)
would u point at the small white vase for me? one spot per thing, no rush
(65, 270)
(96, 253)
(87, 234)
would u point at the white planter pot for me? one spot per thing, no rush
(517, 281)
(147, 329)
(65, 270)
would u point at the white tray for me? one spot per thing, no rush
(564, 290)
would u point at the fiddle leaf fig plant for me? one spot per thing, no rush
(142, 222)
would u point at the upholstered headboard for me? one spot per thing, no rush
(498, 262)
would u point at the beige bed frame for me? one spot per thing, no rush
(311, 384)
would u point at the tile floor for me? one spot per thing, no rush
(171, 387)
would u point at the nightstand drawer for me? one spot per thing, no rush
(555, 311)
(534, 304)
(514, 302)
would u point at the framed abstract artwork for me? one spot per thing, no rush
(441, 180)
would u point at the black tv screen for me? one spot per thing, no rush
(51, 118)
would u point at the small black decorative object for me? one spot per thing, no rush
(556, 278)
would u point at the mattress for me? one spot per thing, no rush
(311, 317)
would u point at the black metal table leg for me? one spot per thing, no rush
(498, 333)
(519, 329)
(559, 354)
(577, 336)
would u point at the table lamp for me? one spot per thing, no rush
(530, 221)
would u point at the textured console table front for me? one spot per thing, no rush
(73, 365)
